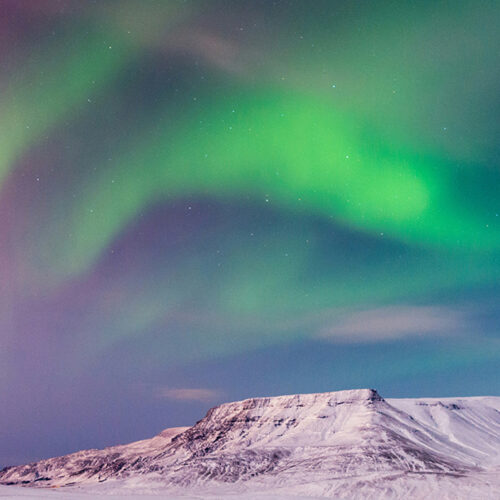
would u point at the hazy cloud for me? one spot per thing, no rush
(396, 322)
(188, 394)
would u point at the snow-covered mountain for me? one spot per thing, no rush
(346, 444)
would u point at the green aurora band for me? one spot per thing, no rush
(298, 153)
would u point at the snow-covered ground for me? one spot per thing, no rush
(18, 493)
(346, 444)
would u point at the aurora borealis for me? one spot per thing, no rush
(241, 198)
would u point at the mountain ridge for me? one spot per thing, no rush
(329, 441)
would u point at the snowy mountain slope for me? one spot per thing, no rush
(339, 444)
(83, 465)
(471, 423)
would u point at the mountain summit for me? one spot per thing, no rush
(341, 444)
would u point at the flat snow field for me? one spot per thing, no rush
(20, 493)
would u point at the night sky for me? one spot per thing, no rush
(202, 201)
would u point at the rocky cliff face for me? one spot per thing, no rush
(313, 439)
